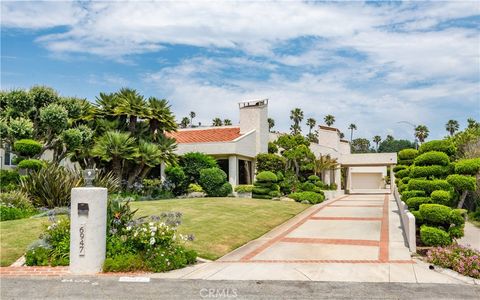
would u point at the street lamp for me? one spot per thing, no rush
(414, 135)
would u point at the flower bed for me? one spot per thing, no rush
(461, 259)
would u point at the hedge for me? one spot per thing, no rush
(428, 185)
(441, 197)
(468, 166)
(429, 171)
(407, 154)
(418, 217)
(266, 176)
(432, 158)
(27, 147)
(462, 182)
(410, 194)
(244, 188)
(432, 236)
(399, 167)
(436, 214)
(415, 202)
(31, 164)
(403, 173)
(406, 162)
(311, 197)
(405, 180)
(444, 146)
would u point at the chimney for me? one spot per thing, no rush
(254, 116)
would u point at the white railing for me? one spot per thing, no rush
(408, 221)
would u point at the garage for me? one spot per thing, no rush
(367, 181)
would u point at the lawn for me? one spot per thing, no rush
(16, 235)
(221, 225)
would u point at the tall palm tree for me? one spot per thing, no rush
(217, 122)
(296, 115)
(105, 104)
(227, 122)
(421, 133)
(311, 122)
(132, 104)
(160, 116)
(271, 124)
(352, 127)
(192, 116)
(452, 126)
(377, 139)
(329, 120)
(184, 123)
(115, 147)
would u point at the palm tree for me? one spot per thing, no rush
(472, 123)
(115, 147)
(377, 139)
(342, 135)
(352, 127)
(192, 116)
(296, 115)
(217, 122)
(452, 126)
(227, 122)
(167, 147)
(329, 120)
(132, 104)
(311, 122)
(106, 104)
(184, 123)
(323, 163)
(271, 124)
(389, 138)
(149, 156)
(421, 133)
(161, 118)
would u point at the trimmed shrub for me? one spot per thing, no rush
(127, 262)
(432, 236)
(441, 197)
(225, 190)
(27, 147)
(405, 180)
(410, 194)
(468, 166)
(462, 182)
(415, 202)
(266, 176)
(436, 214)
(272, 148)
(444, 146)
(418, 217)
(194, 188)
(428, 186)
(177, 179)
(212, 181)
(399, 167)
(403, 173)
(193, 162)
(244, 188)
(429, 171)
(311, 197)
(456, 217)
(265, 187)
(270, 162)
(31, 164)
(407, 154)
(432, 158)
(402, 187)
(456, 232)
(406, 162)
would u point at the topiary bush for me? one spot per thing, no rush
(436, 214)
(266, 176)
(432, 236)
(403, 173)
(27, 147)
(428, 186)
(177, 179)
(432, 158)
(270, 162)
(468, 166)
(414, 203)
(193, 163)
(265, 186)
(406, 162)
(441, 197)
(244, 188)
(311, 197)
(444, 146)
(462, 182)
(213, 182)
(405, 180)
(430, 172)
(407, 154)
(399, 167)
(31, 164)
(410, 194)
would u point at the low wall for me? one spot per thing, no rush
(408, 221)
(330, 194)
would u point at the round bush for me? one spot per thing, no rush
(402, 187)
(313, 178)
(31, 164)
(270, 162)
(266, 176)
(193, 162)
(403, 173)
(456, 232)
(432, 236)
(468, 166)
(20, 128)
(260, 191)
(410, 194)
(432, 158)
(429, 171)
(441, 197)
(456, 217)
(462, 182)
(224, 190)
(178, 179)
(407, 154)
(212, 181)
(418, 217)
(311, 197)
(428, 186)
(308, 186)
(415, 202)
(54, 117)
(27, 147)
(399, 167)
(435, 214)
(194, 188)
(444, 146)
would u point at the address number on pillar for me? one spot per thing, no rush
(81, 231)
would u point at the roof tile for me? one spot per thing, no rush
(210, 135)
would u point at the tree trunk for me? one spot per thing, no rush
(134, 174)
(462, 199)
(144, 172)
(117, 167)
(132, 123)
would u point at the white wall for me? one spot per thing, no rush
(255, 117)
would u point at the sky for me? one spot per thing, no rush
(373, 64)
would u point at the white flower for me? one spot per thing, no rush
(129, 228)
(151, 223)
(152, 234)
(152, 241)
(135, 234)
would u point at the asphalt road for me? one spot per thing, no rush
(111, 288)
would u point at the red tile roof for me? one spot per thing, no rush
(208, 135)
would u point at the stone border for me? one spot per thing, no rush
(408, 221)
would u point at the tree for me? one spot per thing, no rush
(311, 122)
(299, 159)
(227, 122)
(377, 139)
(271, 124)
(392, 145)
(160, 116)
(342, 135)
(360, 145)
(131, 104)
(184, 123)
(389, 138)
(149, 156)
(217, 122)
(329, 120)
(472, 124)
(323, 163)
(192, 116)
(452, 126)
(352, 127)
(296, 115)
(421, 133)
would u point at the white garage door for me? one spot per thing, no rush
(367, 181)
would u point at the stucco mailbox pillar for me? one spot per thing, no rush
(88, 229)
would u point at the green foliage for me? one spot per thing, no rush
(9, 180)
(407, 154)
(42, 96)
(244, 188)
(403, 173)
(54, 118)
(213, 182)
(461, 259)
(414, 203)
(32, 164)
(462, 182)
(468, 166)
(399, 167)
(428, 186)
(445, 146)
(266, 176)
(429, 172)
(16, 199)
(20, 128)
(393, 145)
(225, 190)
(432, 158)
(178, 179)
(441, 197)
(27, 147)
(406, 162)
(194, 188)
(38, 256)
(432, 236)
(194, 162)
(409, 194)
(288, 142)
(8, 212)
(270, 162)
(272, 148)
(128, 262)
(418, 217)
(435, 214)
(73, 138)
(58, 236)
(311, 197)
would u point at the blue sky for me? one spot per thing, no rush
(369, 63)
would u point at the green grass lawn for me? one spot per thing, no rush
(221, 225)
(16, 235)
